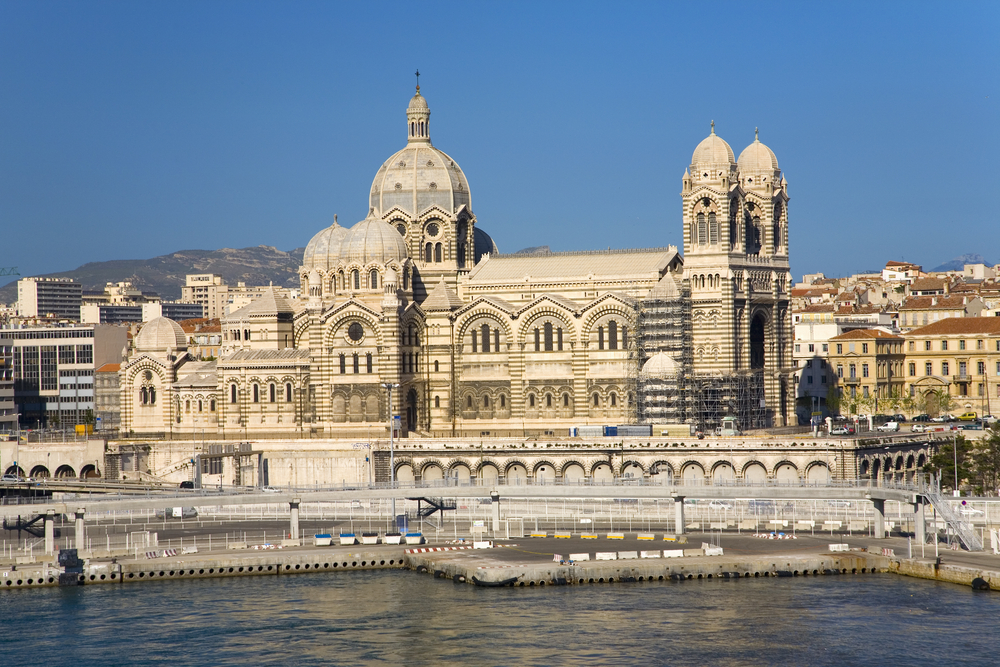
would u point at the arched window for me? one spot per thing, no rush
(373, 279)
(288, 392)
(356, 365)
(548, 336)
(437, 401)
(733, 212)
(531, 400)
(152, 395)
(199, 406)
(713, 229)
(406, 280)
(776, 228)
(211, 405)
(614, 399)
(343, 364)
(559, 339)
(548, 400)
(486, 401)
(597, 401)
(437, 368)
(475, 338)
(428, 249)
(600, 338)
(565, 400)
(537, 340)
(369, 362)
(144, 396)
(486, 337)
(702, 231)
(624, 338)
(356, 278)
(468, 401)
(246, 334)
(187, 406)
(232, 393)
(437, 252)
(496, 340)
(613, 334)
(256, 394)
(503, 401)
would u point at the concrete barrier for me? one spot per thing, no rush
(713, 551)
(646, 536)
(539, 533)
(243, 545)
(673, 553)
(606, 555)
(189, 550)
(669, 538)
(564, 535)
(482, 545)
(805, 523)
(589, 536)
(288, 542)
(649, 554)
(748, 524)
(616, 536)
(857, 524)
(839, 547)
(627, 555)
(579, 556)
(694, 552)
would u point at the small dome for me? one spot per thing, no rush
(483, 243)
(660, 365)
(323, 250)
(417, 101)
(160, 334)
(758, 158)
(372, 240)
(712, 153)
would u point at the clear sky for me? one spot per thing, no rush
(133, 129)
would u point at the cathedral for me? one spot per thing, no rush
(414, 312)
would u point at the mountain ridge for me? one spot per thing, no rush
(165, 274)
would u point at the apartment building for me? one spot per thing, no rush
(49, 297)
(868, 363)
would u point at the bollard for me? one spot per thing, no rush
(294, 528)
(50, 539)
(679, 515)
(80, 535)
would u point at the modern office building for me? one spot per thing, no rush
(49, 297)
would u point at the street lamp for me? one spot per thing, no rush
(389, 386)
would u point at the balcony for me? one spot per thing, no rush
(852, 381)
(957, 379)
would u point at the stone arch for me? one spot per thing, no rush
(89, 472)
(404, 473)
(545, 311)
(516, 472)
(573, 472)
(460, 472)
(692, 472)
(65, 471)
(602, 472)
(488, 471)
(544, 472)
(759, 322)
(633, 470)
(661, 472)
(754, 472)
(606, 311)
(332, 327)
(431, 471)
(786, 472)
(723, 472)
(818, 472)
(40, 472)
(473, 319)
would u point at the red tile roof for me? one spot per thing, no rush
(959, 325)
(109, 368)
(866, 334)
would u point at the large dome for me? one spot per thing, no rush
(758, 158)
(323, 250)
(372, 240)
(160, 334)
(712, 153)
(419, 176)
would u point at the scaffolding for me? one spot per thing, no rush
(739, 395)
(662, 358)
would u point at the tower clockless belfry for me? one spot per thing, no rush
(736, 265)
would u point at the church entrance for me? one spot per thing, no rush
(411, 410)
(757, 341)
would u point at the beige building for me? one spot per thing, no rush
(868, 364)
(474, 342)
(957, 357)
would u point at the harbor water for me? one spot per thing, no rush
(400, 617)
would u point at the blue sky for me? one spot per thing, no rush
(130, 130)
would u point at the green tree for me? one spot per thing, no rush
(942, 463)
(833, 400)
(986, 460)
(88, 417)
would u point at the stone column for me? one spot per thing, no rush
(50, 531)
(678, 515)
(81, 538)
(919, 521)
(495, 497)
(294, 528)
(879, 506)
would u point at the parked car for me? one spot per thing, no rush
(10, 478)
(989, 419)
(899, 418)
(187, 485)
(888, 427)
(720, 505)
(270, 489)
(922, 418)
(919, 428)
(943, 418)
(967, 417)
(842, 429)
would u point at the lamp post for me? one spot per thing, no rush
(389, 386)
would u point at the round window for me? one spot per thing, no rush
(401, 228)
(355, 332)
(432, 229)
(148, 375)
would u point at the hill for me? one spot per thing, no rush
(165, 274)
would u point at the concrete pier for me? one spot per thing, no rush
(50, 531)
(80, 538)
(293, 530)
(879, 521)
